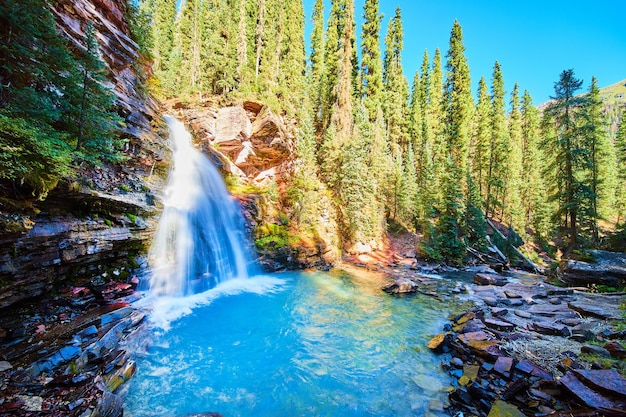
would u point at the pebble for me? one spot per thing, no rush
(4, 365)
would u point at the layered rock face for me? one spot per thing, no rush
(248, 140)
(92, 227)
(121, 56)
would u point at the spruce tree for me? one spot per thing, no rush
(498, 147)
(533, 192)
(163, 14)
(395, 106)
(479, 152)
(95, 116)
(566, 154)
(316, 58)
(371, 63)
(599, 162)
(458, 103)
(620, 152)
(416, 113)
(514, 185)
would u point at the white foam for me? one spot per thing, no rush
(167, 309)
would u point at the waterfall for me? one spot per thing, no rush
(200, 240)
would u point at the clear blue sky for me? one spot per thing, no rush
(534, 40)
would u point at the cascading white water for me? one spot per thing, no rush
(200, 240)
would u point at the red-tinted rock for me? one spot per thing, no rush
(606, 380)
(530, 368)
(616, 349)
(583, 393)
(503, 366)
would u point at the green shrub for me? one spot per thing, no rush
(32, 155)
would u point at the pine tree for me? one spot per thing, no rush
(533, 190)
(566, 154)
(293, 55)
(458, 103)
(449, 233)
(620, 152)
(474, 222)
(599, 161)
(371, 64)
(514, 184)
(395, 106)
(316, 58)
(416, 113)
(408, 189)
(499, 147)
(163, 22)
(96, 118)
(479, 152)
(436, 127)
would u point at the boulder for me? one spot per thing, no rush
(609, 268)
(489, 279)
(401, 286)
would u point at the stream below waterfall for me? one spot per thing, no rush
(292, 344)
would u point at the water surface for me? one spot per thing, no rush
(293, 344)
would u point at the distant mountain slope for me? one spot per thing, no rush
(614, 98)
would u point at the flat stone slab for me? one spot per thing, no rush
(593, 310)
(583, 393)
(501, 325)
(530, 368)
(504, 409)
(617, 350)
(607, 380)
(550, 328)
(467, 338)
(503, 366)
(523, 314)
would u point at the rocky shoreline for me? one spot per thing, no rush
(64, 355)
(530, 348)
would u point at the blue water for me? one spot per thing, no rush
(292, 344)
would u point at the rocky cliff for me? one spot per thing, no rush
(92, 228)
(127, 71)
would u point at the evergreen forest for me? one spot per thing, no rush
(426, 154)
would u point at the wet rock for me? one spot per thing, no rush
(4, 366)
(499, 312)
(511, 294)
(522, 314)
(436, 343)
(531, 369)
(503, 409)
(491, 301)
(110, 405)
(401, 286)
(436, 405)
(489, 279)
(616, 349)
